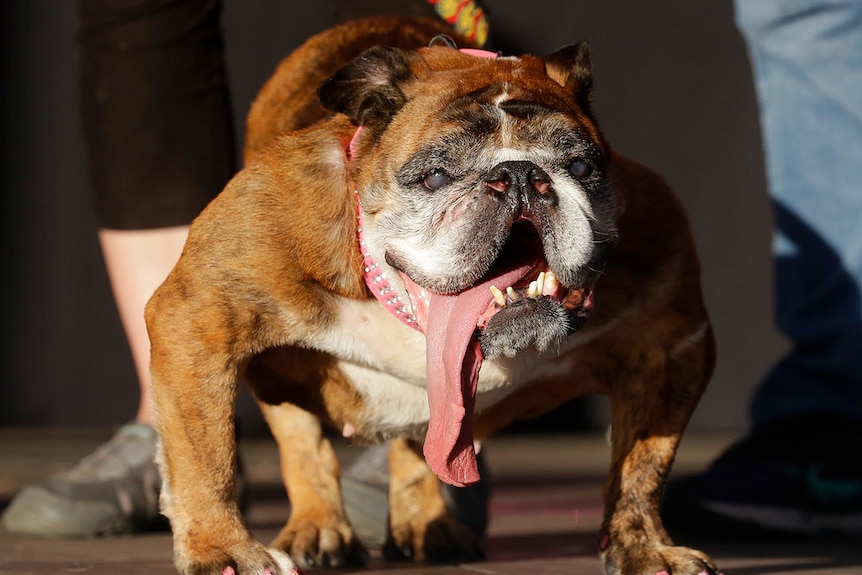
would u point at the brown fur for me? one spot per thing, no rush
(271, 264)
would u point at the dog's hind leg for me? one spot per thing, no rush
(317, 533)
(420, 526)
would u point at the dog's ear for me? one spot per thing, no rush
(368, 89)
(572, 68)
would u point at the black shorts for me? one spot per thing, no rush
(155, 109)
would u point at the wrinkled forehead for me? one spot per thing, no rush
(503, 100)
(518, 86)
(467, 103)
(493, 82)
(490, 108)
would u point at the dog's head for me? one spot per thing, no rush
(484, 190)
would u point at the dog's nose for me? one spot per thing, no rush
(522, 177)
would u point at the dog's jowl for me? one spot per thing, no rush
(425, 244)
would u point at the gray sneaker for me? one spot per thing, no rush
(111, 491)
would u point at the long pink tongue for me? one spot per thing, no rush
(453, 362)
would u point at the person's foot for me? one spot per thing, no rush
(800, 476)
(111, 491)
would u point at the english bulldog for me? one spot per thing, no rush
(424, 245)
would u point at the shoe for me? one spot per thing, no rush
(365, 489)
(114, 490)
(797, 477)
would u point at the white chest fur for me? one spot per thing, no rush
(385, 361)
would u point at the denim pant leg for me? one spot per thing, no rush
(807, 62)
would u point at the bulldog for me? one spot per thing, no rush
(424, 245)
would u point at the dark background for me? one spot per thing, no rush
(672, 89)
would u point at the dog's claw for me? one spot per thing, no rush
(603, 544)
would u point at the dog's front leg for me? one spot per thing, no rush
(194, 385)
(420, 526)
(650, 405)
(317, 533)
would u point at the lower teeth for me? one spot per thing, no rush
(545, 281)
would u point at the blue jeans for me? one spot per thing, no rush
(806, 57)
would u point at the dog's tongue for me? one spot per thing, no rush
(453, 362)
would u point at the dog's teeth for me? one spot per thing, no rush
(551, 284)
(536, 287)
(499, 298)
(513, 295)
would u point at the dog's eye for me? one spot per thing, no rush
(580, 168)
(436, 179)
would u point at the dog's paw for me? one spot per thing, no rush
(528, 322)
(315, 544)
(657, 560)
(251, 560)
(442, 540)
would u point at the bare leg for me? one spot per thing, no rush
(138, 262)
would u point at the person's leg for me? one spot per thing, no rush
(800, 467)
(137, 262)
(159, 140)
(807, 62)
(159, 144)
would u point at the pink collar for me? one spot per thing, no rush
(375, 278)
(479, 53)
